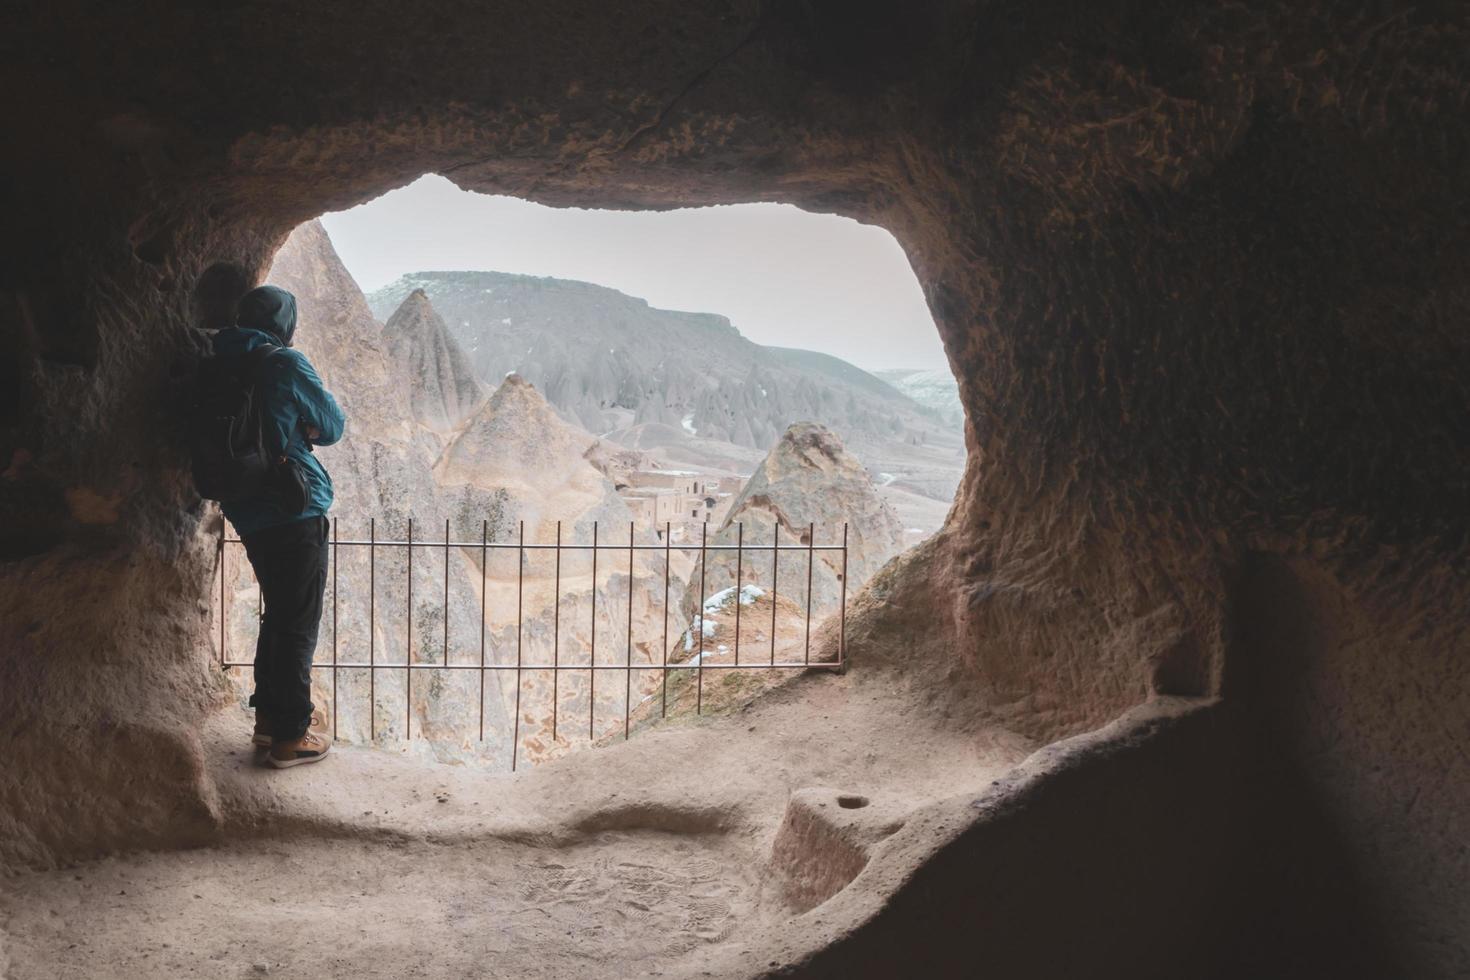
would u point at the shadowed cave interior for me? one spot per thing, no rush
(1180, 689)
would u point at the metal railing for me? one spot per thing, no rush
(558, 665)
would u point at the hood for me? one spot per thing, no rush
(269, 309)
(241, 340)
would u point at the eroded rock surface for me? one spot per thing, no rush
(517, 455)
(809, 486)
(1199, 269)
(442, 386)
(510, 470)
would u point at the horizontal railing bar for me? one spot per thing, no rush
(506, 546)
(380, 665)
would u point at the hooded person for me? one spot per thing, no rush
(285, 535)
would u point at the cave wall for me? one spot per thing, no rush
(1200, 268)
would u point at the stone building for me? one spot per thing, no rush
(682, 498)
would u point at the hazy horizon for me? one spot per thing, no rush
(785, 277)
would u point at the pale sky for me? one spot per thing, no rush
(783, 276)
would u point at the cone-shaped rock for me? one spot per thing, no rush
(443, 389)
(383, 476)
(517, 457)
(518, 447)
(516, 438)
(808, 479)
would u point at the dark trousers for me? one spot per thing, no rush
(290, 562)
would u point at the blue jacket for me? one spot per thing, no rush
(294, 399)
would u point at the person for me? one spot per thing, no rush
(287, 549)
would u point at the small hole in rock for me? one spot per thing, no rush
(851, 802)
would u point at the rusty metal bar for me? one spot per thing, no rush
(628, 676)
(446, 591)
(842, 609)
(334, 628)
(408, 645)
(349, 665)
(739, 574)
(484, 539)
(372, 628)
(811, 537)
(515, 739)
(699, 674)
(775, 571)
(506, 546)
(410, 663)
(222, 607)
(664, 658)
(556, 633)
(592, 657)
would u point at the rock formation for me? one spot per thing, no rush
(687, 389)
(517, 456)
(807, 484)
(442, 387)
(518, 442)
(615, 364)
(382, 474)
(514, 459)
(1200, 269)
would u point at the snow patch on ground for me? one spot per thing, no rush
(688, 423)
(748, 595)
(705, 624)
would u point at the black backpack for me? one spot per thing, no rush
(227, 441)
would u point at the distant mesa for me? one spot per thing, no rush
(616, 365)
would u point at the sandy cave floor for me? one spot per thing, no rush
(623, 861)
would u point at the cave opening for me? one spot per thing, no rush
(1198, 270)
(514, 400)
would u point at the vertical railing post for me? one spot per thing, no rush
(335, 558)
(446, 592)
(842, 609)
(775, 573)
(222, 609)
(664, 658)
(408, 647)
(515, 738)
(699, 663)
(628, 672)
(739, 574)
(592, 656)
(811, 538)
(484, 552)
(372, 629)
(556, 635)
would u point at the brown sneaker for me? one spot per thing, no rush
(311, 747)
(263, 738)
